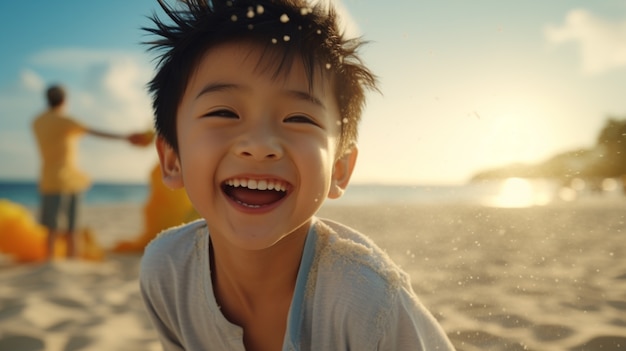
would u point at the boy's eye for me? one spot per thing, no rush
(221, 113)
(300, 119)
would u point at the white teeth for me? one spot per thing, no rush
(248, 205)
(254, 184)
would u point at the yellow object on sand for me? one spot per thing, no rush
(165, 208)
(22, 238)
(87, 246)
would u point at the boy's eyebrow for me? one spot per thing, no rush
(300, 95)
(213, 87)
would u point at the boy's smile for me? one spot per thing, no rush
(259, 194)
(257, 150)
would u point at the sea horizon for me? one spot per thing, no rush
(512, 192)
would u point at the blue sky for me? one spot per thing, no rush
(466, 85)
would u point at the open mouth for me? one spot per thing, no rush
(255, 193)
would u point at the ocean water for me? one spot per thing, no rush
(512, 192)
(26, 193)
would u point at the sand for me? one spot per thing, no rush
(541, 278)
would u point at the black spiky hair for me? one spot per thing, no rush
(287, 29)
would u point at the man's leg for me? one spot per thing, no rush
(72, 218)
(49, 218)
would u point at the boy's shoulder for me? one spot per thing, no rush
(353, 283)
(173, 240)
(343, 248)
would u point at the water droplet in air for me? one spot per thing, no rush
(284, 18)
(260, 9)
(250, 13)
(233, 18)
(286, 38)
(328, 66)
(274, 41)
(305, 11)
(345, 121)
(319, 31)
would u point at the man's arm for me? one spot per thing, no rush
(137, 139)
(107, 135)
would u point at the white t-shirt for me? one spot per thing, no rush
(348, 296)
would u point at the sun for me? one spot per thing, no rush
(519, 192)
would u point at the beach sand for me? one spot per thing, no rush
(540, 278)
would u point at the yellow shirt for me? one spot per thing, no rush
(57, 138)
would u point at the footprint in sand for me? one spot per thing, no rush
(78, 342)
(552, 332)
(483, 341)
(21, 343)
(604, 343)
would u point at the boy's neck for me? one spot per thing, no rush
(254, 289)
(254, 270)
(257, 275)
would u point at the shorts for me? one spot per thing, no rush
(59, 206)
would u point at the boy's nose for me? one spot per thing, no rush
(259, 144)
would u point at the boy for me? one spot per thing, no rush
(257, 105)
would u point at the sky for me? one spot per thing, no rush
(465, 85)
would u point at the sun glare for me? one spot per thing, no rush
(518, 192)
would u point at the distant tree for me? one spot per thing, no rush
(612, 145)
(607, 159)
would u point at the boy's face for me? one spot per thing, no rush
(257, 153)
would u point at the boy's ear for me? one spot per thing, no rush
(170, 164)
(342, 171)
